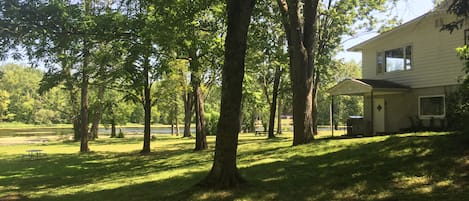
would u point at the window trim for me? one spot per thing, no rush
(431, 116)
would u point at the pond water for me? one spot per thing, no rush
(36, 132)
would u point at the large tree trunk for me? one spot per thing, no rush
(273, 104)
(98, 114)
(224, 173)
(301, 40)
(147, 108)
(188, 105)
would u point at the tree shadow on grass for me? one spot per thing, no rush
(398, 168)
(64, 171)
(394, 169)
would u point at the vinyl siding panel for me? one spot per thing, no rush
(434, 59)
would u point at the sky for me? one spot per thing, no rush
(406, 9)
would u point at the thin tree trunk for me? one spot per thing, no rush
(76, 128)
(84, 111)
(200, 131)
(252, 126)
(279, 117)
(315, 102)
(113, 127)
(147, 108)
(172, 127)
(176, 113)
(188, 105)
(273, 105)
(98, 114)
(84, 91)
(200, 134)
(224, 173)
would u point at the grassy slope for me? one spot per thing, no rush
(425, 166)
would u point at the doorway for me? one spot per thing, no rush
(378, 115)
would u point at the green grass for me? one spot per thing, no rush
(409, 167)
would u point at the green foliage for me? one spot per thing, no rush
(458, 101)
(120, 134)
(345, 105)
(459, 8)
(211, 122)
(4, 102)
(458, 109)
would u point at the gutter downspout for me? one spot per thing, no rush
(372, 113)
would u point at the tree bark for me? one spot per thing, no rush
(315, 102)
(188, 105)
(224, 173)
(273, 104)
(176, 113)
(84, 90)
(301, 39)
(200, 134)
(98, 113)
(200, 131)
(279, 117)
(113, 128)
(146, 107)
(84, 109)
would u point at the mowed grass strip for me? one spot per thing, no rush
(421, 166)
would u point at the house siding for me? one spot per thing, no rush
(402, 109)
(434, 59)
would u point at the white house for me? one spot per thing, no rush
(408, 73)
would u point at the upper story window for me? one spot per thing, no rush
(398, 59)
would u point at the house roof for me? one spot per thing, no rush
(366, 86)
(437, 10)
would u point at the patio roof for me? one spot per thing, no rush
(366, 86)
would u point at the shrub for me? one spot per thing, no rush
(120, 134)
(458, 109)
(211, 120)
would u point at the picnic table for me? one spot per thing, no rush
(34, 153)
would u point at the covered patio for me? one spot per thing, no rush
(374, 93)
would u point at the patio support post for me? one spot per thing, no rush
(372, 113)
(331, 115)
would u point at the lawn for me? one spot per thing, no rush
(421, 166)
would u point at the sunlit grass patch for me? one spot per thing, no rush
(421, 166)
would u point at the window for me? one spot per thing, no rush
(432, 106)
(398, 59)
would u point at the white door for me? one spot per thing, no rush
(378, 115)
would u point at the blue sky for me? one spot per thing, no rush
(406, 10)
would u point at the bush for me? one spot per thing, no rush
(458, 109)
(120, 134)
(211, 120)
